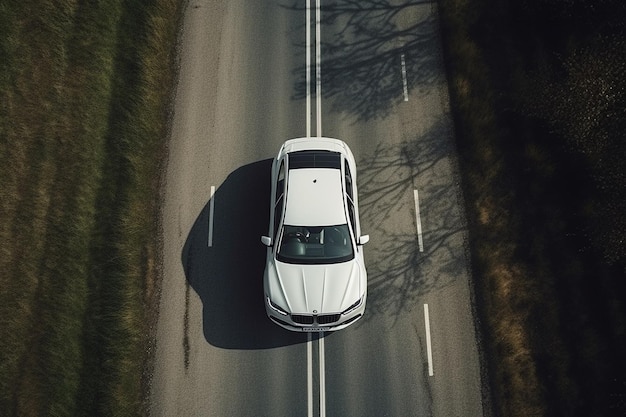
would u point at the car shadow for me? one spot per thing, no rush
(228, 275)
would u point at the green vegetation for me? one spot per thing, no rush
(538, 91)
(84, 91)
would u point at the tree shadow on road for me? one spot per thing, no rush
(228, 276)
(365, 45)
(398, 272)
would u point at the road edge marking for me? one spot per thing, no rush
(429, 350)
(405, 87)
(418, 220)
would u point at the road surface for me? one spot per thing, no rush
(376, 81)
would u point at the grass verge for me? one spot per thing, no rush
(539, 98)
(83, 116)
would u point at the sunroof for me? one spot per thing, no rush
(314, 159)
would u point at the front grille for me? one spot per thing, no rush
(307, 319)
(302, 319)
(329, 318)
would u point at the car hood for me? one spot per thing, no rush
(317, 289)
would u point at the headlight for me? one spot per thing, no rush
(353, 306)
(276, 307)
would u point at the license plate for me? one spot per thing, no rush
(315, 329)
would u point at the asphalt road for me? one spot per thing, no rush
(241, 93)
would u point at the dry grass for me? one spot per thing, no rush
(512, 370)
(551, 314)
(84, 96)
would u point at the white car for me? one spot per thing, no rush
(315, 277)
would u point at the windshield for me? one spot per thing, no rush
(315, 245)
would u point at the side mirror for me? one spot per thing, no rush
(364, 239)
(266, 240)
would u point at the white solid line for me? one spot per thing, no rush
(308, 68)
(418, 220)
(309, 373)
(404, 82)
(318, 67)
(211, 210)
(429, 350)
(322, 376)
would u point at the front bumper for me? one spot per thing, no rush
(314, 323)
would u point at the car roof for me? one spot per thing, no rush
(314, 197)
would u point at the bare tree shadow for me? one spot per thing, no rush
(398, 272)
(365, 45)
(228, 276)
